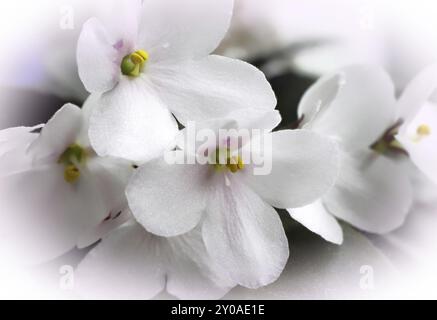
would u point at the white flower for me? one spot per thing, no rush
(151, 60)
(54, 190)
(355, 107)
(418, 134)
(132, 263)
(241, 230)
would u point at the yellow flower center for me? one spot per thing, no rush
(423, 130)
(225, 160)
(71, 158)
(133, 63)
(71, 173)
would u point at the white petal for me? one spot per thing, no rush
(87, 108)
(12, 138)
(97, 57)
(304, 166)
(321, 270)
(168, 200)
(355, 105)
(424, 189)
(111, 176)
(212, 88)
(185, 29)
(14, 143)
(256, 118)
(121, 19)
(373, 193)
(112, 222)
(413, 244)
(318, 220)
(192, 273)
(247, 118)
(130, 122)
(122, 266)
(245, 235)
(241, 125)
(422, 149)
(92, 196)
(417, 106)
(417, 93)
(132, 263)
(53, 213)
(59, 132)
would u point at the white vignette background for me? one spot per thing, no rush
(397, 35)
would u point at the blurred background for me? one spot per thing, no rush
(293, 42)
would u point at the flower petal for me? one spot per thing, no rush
(112, 222)
(256, 118)
(183, 30)
(321, 270)
(12, 138)
(418, 105)
(121, 19)
(373, 193)
(130, 122)
(54, 213)
(122, 266)
(421, 148)
(97, 57)
(14, 143)
(240, 126)
(304, 166)
(59, 132)
(318, 220)
(417, 93)
(111, 176)
(191, 272)
(168, 199)
(245, 235)
(212, 88)
(87, 108)
(132, 263)
(355, 105)
(92, 197)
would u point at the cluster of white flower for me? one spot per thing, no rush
(101, 172)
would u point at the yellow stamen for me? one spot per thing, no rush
(223, 159)
(133, 63)
(423, 130)
(71, 173)
(144, 54)
(240, 164)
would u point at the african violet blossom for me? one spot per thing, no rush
(55, 192)
(150, 59)
(418, 108)
(356, 107)
(231, 204)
